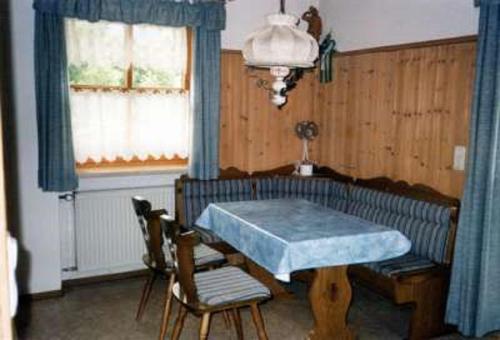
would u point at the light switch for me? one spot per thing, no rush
(459, 158)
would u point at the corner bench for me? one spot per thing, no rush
(427, 218)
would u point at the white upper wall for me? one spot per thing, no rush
(360, 24)
(245, 16)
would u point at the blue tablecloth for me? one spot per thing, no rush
(286, 235)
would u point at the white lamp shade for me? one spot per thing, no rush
(280, 43)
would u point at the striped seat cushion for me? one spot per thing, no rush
(399, 265)
(318, 190)
(226, 285)
(202, 254)
(425, 224)
(198, 194)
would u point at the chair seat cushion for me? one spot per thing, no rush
(400, 265)
(204, 255)
(226, 285)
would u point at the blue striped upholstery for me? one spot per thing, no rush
(424, 223)
(226, 285)
(265, 188)
(203, 255)
(312, 189)
(198, 194)
(338, 196)
(399, 265)
(319, 190)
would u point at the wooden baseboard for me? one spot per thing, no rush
(104, 278)
(42, 296)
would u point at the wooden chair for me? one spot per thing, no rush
(223, 289)
(154, 259)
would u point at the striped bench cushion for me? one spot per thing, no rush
(425, 224)
(399, 265)
(226, 285)
(198, 194)
(318, 190)
(338, 196)
(265, 188)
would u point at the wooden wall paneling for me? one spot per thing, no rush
(255, 135)
(394, 112)
(233, 125)
(398, 113)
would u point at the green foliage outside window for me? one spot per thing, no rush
(84, 74)
(149, 77)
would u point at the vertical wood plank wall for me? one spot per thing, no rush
(396, 113)
(254, 134)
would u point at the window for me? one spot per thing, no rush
(129, 93)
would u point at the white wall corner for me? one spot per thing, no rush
(38, 230)
(360, 24)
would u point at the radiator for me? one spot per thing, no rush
(107, 238)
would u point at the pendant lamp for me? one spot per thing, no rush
(281, 47)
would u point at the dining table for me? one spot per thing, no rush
(285, 236)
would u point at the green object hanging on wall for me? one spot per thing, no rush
(326, 51)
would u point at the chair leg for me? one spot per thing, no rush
(167, 306)
(179, 323)
(227, 319)
(146, 291)
(259, 323)
(204, 326)
(237, 322)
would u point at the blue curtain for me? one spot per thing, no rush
(210, 14)
(206, 17)
(56, 170)
(204, 155)
(474, 298)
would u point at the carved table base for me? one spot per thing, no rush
(330, 297)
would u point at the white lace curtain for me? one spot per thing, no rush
(109, 125)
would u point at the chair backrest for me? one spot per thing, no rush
(185, 266)
(149, 223)
(171, 231)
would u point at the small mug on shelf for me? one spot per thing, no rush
(306, 169)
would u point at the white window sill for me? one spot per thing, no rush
(128, 178)
(131, 171)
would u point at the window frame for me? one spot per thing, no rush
(135, 162)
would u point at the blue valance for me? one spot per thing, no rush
(211, 15)
(486, 2)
